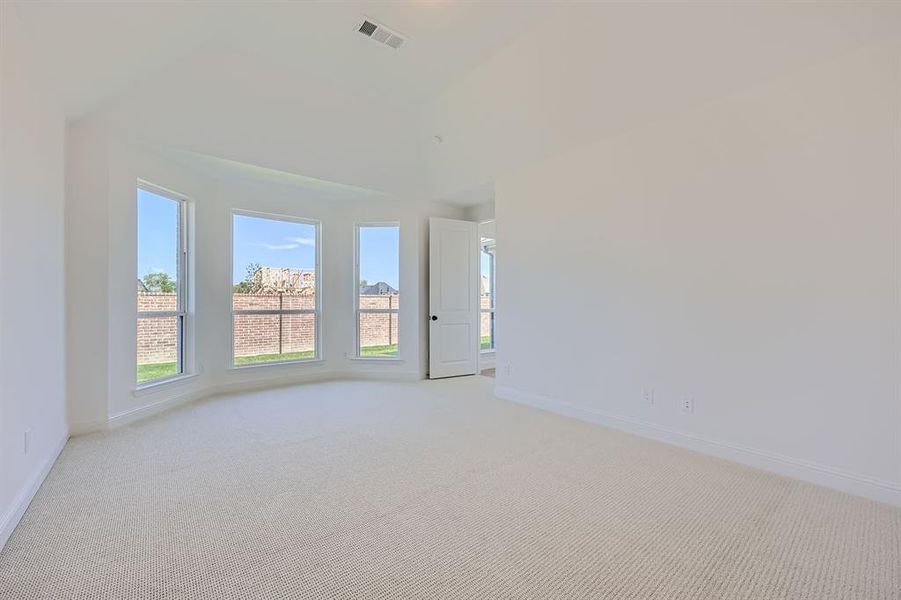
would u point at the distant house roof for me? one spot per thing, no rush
(377, 289)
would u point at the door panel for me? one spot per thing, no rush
(454, 255)
(454, 342)
(453, 298)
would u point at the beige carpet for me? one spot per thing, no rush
(428, 490)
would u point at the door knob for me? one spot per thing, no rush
(434, 317)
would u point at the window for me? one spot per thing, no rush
(162, 284)
(486, 297)
(377, 274)
(275, 289)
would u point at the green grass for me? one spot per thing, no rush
(156, 371)
(486, 342)
(266, 358)
(376, 351)
(150, 372)
(387, 350)
(160, 370)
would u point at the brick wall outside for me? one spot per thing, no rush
(157, 337)
(273, 334)
(485, 316)
(378, 329)
(260, 334)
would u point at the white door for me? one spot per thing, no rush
(453, 298)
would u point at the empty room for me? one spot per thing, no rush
(450, 299)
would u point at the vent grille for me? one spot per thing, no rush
(368, 28)
(380, 33)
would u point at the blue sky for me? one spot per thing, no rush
(269, 242)
(379, 252)
(157, 234)
(272, 243)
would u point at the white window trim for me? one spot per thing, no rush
(155, 384)
(317, 310)
(183, 276)
(357, 354)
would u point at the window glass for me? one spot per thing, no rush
(274, 290)
(486, 297)
(160, 293)
(378, 290)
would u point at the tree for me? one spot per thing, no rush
(247, 285)
(363, 282)
(160, 283)
(251, 271)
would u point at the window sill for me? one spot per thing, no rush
(386, 359)
(284, 363)
(153, 386)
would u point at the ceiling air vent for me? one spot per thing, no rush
(380, 33)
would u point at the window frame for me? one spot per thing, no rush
(316, 311)
(184, 340)
(358, 354)
(491, 310)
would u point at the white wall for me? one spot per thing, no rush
(745, 254)
(614, 66)
(87, 251)
(32, 392)
(480, 212)
(104, 171)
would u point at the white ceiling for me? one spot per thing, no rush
(96, 49)
(292, 88)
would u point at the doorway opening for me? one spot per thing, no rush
(487, 297)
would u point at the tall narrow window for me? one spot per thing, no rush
(378, 290)
(162, 285)
(275, 289)
(486, 298)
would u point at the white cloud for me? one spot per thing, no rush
(303, 241)
(278, 246)
(290, 244)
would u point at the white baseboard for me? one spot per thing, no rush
(837, 479)
(172, 399)
(20, 504)
(83, 427)
(130, 416)
(380, 376)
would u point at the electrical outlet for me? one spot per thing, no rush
(26, 441)
(647, 394)
(687, 404)
(507, 370)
